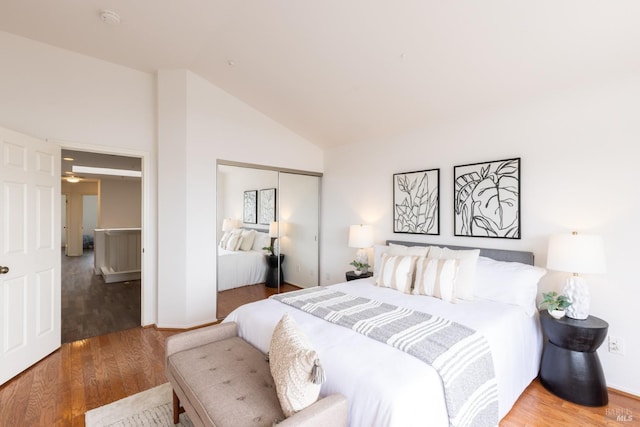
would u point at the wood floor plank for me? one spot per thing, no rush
(93, 372)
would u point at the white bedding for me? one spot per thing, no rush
(386, 387)
(240, 268)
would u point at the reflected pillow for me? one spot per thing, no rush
(224, 240)
(234, 242)
(248, 236)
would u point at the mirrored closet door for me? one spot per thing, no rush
(267, 232)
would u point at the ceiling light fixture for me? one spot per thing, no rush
(106, 171)
(110, 17)
(68, 159)
(73, 179)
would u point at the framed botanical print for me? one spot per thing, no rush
(267, 206)
(250, 207)
(416, 202)
(487, 199)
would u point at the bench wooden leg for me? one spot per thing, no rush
(176, 409)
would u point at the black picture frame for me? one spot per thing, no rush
(416, 202)
(267, 206)
(250, 207)
(486, 200)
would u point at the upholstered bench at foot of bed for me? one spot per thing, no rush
(221, 380)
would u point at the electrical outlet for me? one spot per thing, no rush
(616, 345)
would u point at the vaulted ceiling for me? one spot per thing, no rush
(337, 71)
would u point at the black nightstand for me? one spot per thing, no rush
(570, 366)
(273, 262)
(353, 276)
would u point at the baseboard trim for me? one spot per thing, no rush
(623, 393)
(185, 329)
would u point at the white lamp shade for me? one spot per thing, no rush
(273, 229)
(360, 236)
(229, 224)
(576, 253)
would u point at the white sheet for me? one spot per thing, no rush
(386, 387)
(240, 268)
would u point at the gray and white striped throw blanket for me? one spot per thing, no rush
(459, 354)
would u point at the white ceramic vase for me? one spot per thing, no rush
(557, 314)
(357, 272)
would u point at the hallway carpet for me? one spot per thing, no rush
(91, 307)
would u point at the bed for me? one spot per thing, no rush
(240, 265)
(389, 387)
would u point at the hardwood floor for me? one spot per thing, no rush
(91, 307)
(96, 371)
(230, 299)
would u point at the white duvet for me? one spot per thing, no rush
(386, 387)
(240, 268)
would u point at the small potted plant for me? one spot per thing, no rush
(360, 267)
(556, 304)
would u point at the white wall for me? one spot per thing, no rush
(199, 123)
(83, 103)
(579, 159)
(120, 203)
(234, 182)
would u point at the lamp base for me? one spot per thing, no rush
(576, 289)
(361, 256)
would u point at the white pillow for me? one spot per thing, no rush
(248, 236)
(436, 278)
(378, 251)
(224, 240)
(395, 249)
(260, 241)
(292, 360)
(234, 242)
(509, 282)
(465, 279)
(396, 272)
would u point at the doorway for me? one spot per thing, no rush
(101, 198)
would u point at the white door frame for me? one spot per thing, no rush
(147, 263)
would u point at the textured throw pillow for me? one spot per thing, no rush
(436, 278)
(465, 279)
(509, 282)
(293, 364)
(396, 272)
(248, 237)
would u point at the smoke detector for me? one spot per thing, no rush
(109, 17)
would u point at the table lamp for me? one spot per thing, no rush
(576, 253)
(229, 224)
(273, 231)
(361, 237)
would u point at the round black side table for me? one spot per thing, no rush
(274, 262)
(570, 366)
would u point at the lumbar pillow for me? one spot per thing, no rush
(396, 272)
(436, 278)
(466, 276)
(295, 367)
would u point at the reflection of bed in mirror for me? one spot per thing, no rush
(242, 264)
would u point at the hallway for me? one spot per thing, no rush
(91, 307)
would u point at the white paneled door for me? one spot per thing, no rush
(29, 251)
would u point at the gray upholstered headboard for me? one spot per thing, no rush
(497, 254)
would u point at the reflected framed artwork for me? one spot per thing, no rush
(250, 207)
(267, 206)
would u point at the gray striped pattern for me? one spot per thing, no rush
(459, 354)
